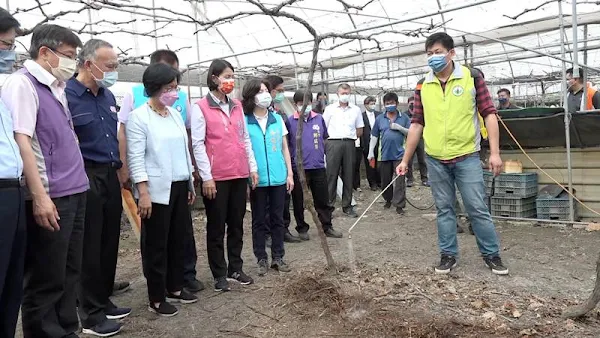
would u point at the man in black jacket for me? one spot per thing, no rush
(420, 153)
(369, 116)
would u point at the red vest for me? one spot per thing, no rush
(224, 140)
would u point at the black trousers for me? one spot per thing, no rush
(190, 254)
(396, 194)
(12, 257)
(420, 153)
(287, 218)
(356, 172)
(52, 267)
(340, 156)
(161, 243)
(100, 243)
(229, 207)
(274, 198)
(373, 176)
(316, 179)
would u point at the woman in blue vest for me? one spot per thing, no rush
(269, 143)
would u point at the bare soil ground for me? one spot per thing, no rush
(394, 292)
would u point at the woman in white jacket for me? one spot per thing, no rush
(161, 171)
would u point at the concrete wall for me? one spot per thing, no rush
(585, 168)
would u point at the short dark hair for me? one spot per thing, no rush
(7, 21)
(504, 90)
(369, 99)
(156, 76)
(251, 88)
(299, 96)
(390, 97)
(439, 37)
(217, 67)
(52, 36)
(580, 78)
(344, 86)
(274, 80)
(410, 99)
(321, 94)
(164, 55)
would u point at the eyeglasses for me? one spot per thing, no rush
(9, 45)
(168, 89)
(72, 57)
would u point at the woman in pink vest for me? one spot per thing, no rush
(225, 160)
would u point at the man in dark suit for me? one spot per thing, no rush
(369, 116)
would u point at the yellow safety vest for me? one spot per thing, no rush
(484, 133)
(452, 122)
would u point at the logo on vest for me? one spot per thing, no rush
(457, 90)
(179, 109)
(316, 127)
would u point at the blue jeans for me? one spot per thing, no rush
(468, 177)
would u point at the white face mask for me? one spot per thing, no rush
(263, 99)
(371, 107)
(65, 70)
(344, 98)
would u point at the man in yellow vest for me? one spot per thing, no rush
(447, 102)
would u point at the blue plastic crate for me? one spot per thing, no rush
(513, 204)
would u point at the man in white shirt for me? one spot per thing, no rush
(344, 125)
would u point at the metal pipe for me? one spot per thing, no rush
(584, 98)
(485, 61)
(568, 114)
(533, 50)
(563, 86)
(368, 28)
(155, 26)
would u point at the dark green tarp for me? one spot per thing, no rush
(545, 127)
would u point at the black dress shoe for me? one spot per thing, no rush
(194, 286)
(289, 238)
(350, 212)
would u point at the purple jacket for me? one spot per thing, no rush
(313, 140)
(55, 145)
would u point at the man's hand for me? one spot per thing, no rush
(196, 176)
(253, 180)
(290, 184)
(402, 168)
(145, 206)
(123, 176)
(495, 163)
(209, 189)
(45, 213)
(191, 198)
(372, 162)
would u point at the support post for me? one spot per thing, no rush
(155, 26)
(584, 98)
(563, 85)
(568, 115)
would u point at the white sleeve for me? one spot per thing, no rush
(249, 151)
(359, 123)
(198, 129)
(284, 130)
(327, 116)
(21, 100)
(136, 150)
(126, 107)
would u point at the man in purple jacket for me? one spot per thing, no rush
(314, 134)
(56, 180)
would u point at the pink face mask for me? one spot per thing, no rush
(169, 98)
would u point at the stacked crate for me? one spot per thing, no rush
(553, 204)
(514, 195)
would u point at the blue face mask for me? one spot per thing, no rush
(279, 98)
(437, 62)
(7, 60)
(307, 110)
(390, 109)
(502, 100)
(108, 78)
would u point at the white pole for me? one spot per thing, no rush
(568, 114)
(563, 85)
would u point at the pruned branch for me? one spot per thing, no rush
(527, 10)
(348, 6)
(113, 23)
(52, 17)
